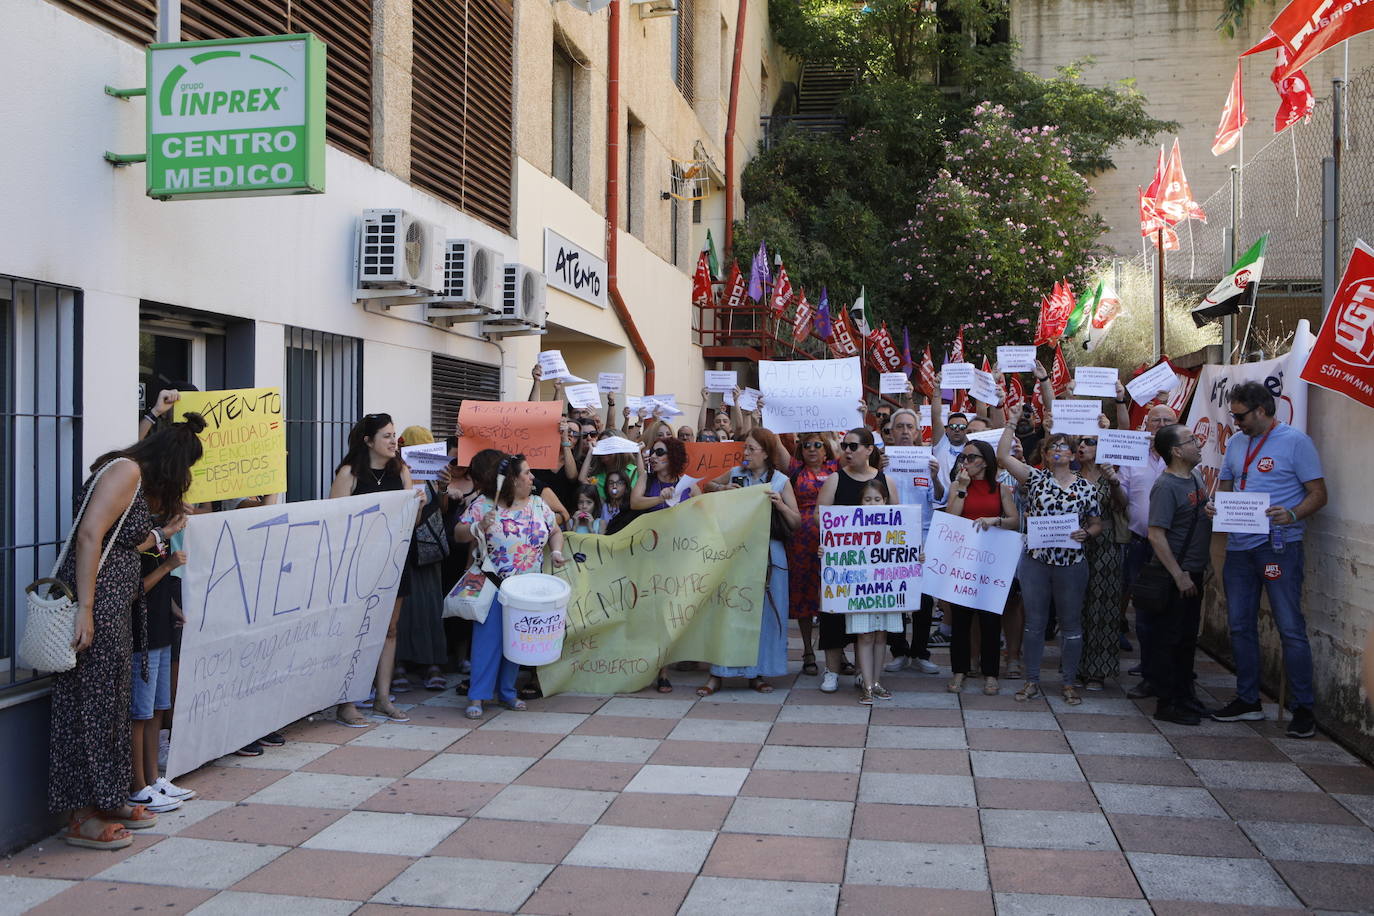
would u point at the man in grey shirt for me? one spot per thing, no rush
(1180, 534)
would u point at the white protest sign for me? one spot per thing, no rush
(1016, 359)
(615, 445)
(1094, 382)
(908, 459)
(748, 399)
(721, 380)
(665, 404)
(871, 558)
(634, 402)
(968, 567)
(984, 388)
(1052, 531)
(425, 461)
(1077, 418)
(584, 395)
(990, 436)
(1145, 386)
(1123, 447)
(956, 375)
(610, 381)
(892, 383)
(1241, 513)
(811, 394)
(552, 367)
(286, 612)
(924, 411)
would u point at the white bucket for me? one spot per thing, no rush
(534, 617)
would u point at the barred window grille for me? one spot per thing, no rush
(40, 444)
(324, 398)
(682, 57)
(453, 381)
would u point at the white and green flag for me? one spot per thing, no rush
(1235, 289)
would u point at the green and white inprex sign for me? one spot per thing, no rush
(237, 117)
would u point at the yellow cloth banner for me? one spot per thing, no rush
(680, 584)
(244, 439)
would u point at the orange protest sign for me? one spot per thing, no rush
(529, 428)
(708, 460)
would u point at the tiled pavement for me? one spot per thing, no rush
(793, 803)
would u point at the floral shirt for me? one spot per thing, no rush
(1046, 496)
(516, 540)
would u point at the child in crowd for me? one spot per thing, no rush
(873, 493)
(617, 497)
(587, 519)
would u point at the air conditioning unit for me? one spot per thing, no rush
(473, 277)
(397, 250)
(522, 302)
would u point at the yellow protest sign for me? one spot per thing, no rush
(244, 440)
(680, 584)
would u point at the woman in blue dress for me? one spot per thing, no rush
(756, 469)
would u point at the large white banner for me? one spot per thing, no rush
(811, 395)
(286, 609)
(969, 567)
(1210, 416)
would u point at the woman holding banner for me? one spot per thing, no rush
(815, 462)
(1058, 574)
(373, 465)
(756, 469)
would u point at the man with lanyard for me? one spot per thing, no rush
(1266, 456)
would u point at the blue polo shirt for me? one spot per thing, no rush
(1280, 467)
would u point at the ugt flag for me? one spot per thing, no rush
(1343, 358)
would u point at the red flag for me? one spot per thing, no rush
(1054, 314)
(1175, 202)
(1156, 185)
(782, 291)
(801, 322)
(701, 284)
(1309, 27)
(1042, 326)
(1296, 99)
(1016, 395)
(1343, 358)
(843, 341)
(926, 379)
(956, 352)
(960, 401)
(1037, 404)
(1232, 117)
(1059, 375)
(1269, 41)
(882, 351)
(736, 287)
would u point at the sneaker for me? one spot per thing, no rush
(830, 681)
(926, 666)
(1238, 710)
(274, 739)
(897, 664)
(155, 801)
(938, 639)
(1303, 724)
(250, 750)
(165, 786)
(1179, 715)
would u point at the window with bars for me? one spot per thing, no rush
(344, 25)
(324, 398)
(40, 444)
(682, 54)
(453, 381)
(460, 129)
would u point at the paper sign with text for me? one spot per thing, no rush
(956, 375)
(1145, 386)
(984, 388)
(1052, 531)
(1094, 382)
(615, 445)
(1077, 418)
(708, 460)
(680, 584)
(892, 383)
(425, 461)
(990, 436)
(1241, 513)
(610, 381)
(1123, 446)
(1016, 359)
(286, 611)
(924, 412)
(529, 428)
(748, 399)
(870, 559)
(721, 380)
(811, 395)
(583, 395)
(908, 459)
(244, 443)
(968, 567)
(552, 367)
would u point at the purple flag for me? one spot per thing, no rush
(758, 274)
(906, 353)
(946, 394)
(822, 320)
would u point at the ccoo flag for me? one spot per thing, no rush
(1232, 117)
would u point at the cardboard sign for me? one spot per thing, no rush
(721, 380)
(610, 381)
(1148, 384)
(1052, 531)
(956, 375)
(708, 460)
(286, 612)
(529, 428)
(244, 443)
(1077, 418)
(1241, 513)
(1342, 360)
(1123, 447)
(969, 567)
(871, 559)
(425, 461)
(811, 395)
(1015, 359)
(892, 383)
(908, 459)
(1094, 382)
(584, 395)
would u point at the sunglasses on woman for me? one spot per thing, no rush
(659, 452)
(850, 446)
(1092, 442)
(813, 445)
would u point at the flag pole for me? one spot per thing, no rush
(1228, 323)
(1159, 293)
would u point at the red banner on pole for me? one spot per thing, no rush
(1343, 358)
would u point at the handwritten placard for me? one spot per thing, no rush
(870, 558)
(708, 460)
(811, 394)
(1241, 513)
(969, 567)
(529, 428)
(1146, 386)
(1077, 418)
(1016, 359)
(244, 443)
(1123, 447)
(908, 459)
(425, 461)
(748, 399)
(1094, 382)
(286, 612)
(610, 381)
(892, 383)
(1052, 531)
(956, 375)
(583, 396)
(984, 388)
(721, 379)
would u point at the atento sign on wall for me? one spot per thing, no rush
(237, 117)
(574, 269)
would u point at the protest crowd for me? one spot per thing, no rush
(1091, 539)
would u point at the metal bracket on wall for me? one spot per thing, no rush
(125, 94)
(119, 160)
